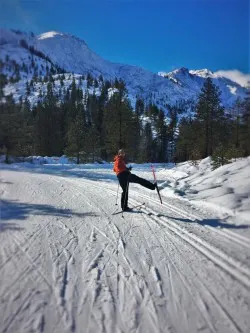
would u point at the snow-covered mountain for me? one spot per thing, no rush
(59, 50)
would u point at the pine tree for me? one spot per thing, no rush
(161, 137)
(94, 127)
(171, 130)
(138, 129)
(27, 89)
(10, 127)
(188, 143)
(210, 114)
(89, 80)
(40, 95)
(152, 111)
(73, 91)
(118, 120)
(245, 126)
(3, 82)
(237, 112)
(148, 143)
(25, 145)
(92, 145)
(96, 85)
(76, 137)
(48, 126)
(102, 102)
(61, 81)
(139, 107)
(220, 156)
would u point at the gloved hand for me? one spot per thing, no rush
(130, 168)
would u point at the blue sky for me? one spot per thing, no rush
(159, 35)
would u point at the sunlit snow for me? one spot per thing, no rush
(69, 265)
(49, 34)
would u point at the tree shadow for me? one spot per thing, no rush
(219, 224)
(68, 170)
(73, 171)
(215, 223)
(9, 226)
(3, 182)
(15, 210)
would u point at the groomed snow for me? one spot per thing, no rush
(68, 265)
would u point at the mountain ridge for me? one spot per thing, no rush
(74, 56)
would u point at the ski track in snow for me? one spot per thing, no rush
(68, 265)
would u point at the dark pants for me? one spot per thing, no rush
(125, 178)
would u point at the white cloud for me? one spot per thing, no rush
(235, 75)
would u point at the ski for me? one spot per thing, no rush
(132, 209)
(157, 188)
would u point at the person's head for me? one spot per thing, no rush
(121, 152)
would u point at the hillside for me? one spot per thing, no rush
(25, 55)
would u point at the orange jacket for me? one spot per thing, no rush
(119, 165)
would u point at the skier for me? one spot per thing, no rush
(125, 177)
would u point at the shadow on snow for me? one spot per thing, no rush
(77, 171)
(74, 170)
(216, 223)
(9, 226)
(14, 210)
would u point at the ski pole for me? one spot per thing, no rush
(117, 194)
(153, 170)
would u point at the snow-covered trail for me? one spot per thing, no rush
(68, 265)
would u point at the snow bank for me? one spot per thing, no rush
(226, 189)
(38, 159)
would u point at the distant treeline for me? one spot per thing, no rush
(90, 127)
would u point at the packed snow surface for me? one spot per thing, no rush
(68, 265)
